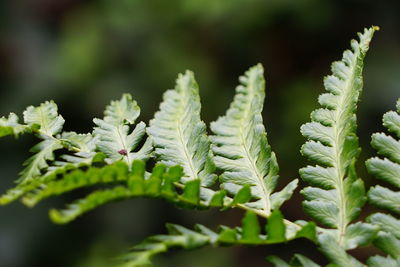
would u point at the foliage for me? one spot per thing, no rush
(337, 194)
(387, 170)
(241, 148)
(115, 160)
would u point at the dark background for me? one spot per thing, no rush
(82, 54)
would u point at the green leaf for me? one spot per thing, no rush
(114, 137)
(181, 237)
(127, 181)
(359, 234)
(241, 147)
(45, 117)
(178, 237)
(45, 121)
(38, 162)
(386, 223)
(275, 227)
(218, 199)
(191, 192)
(297, 261)
(121, 111)
(386, 146)
(335, 251)
(83, 147)
(337, 194)
(379, 261)
(179, 135)
(78, 179)
(93, 200)
(300, 260)
(384, 170)
(391, 120)
(309, 231)
(227, 235)
(387, 170)
(385, 198)
(278, 198)
(388, 244)
(277, 262)
(10, 126)
(250, 228)
(242, 196)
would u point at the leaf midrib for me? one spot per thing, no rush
(249, 158)
(338, 133)
(179, 122)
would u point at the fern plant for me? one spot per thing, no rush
(233, 168)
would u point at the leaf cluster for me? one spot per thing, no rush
(233, 167)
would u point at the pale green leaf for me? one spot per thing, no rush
(379, 261)
(385, 170)
(386, 146)
(386, 223)
(338, 194)
(45, 117)
(335, 251)
(114, 136)
(359, 234)
(241, 148)
(388, 244)
(178, 133)
(278, 198)
(38, 162)
(385, 198)
(391, 120)
(121, 111)
(10, 126)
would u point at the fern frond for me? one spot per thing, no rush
(84, 155)
(251, 233)
(179, 135)
(47, 123)
(387, 170)
(241, 148)
(337, 194)
(126, 182)
(77, 179)
(113, 132)
(90, 202)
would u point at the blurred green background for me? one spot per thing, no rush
(82, 54)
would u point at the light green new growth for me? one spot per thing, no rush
(337, 194)
(241, 148)
(47, 123)
(179, 135)
(114, 136)
(387, 170)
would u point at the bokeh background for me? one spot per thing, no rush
(82, 54)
